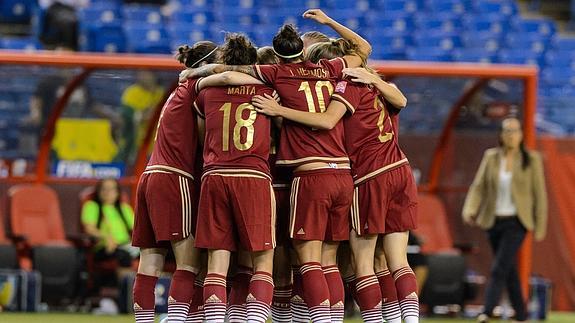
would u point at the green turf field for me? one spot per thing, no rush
(78, 318)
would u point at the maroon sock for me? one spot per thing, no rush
(299, 310)
(369, 298)
(389, 303)
(215, 298)
(316, 292)
(238, 294)
(281, 312)
(144, 298)
(196, 311)
(180, 296)
(336, 292)
(260, 297)
(349, 282)
(406, 286)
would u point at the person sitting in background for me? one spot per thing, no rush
(110, 221)
(60, 23)
(138, 103)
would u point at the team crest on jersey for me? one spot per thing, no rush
(340, 87)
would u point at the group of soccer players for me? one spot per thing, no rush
(305, 110)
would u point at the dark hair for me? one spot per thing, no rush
(316, 36)
(117, 203)
(238, 50)
(332, 49)
(287, 42)
(267, 56)
(525, 159)
(202, 51)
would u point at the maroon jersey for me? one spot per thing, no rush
(370, 133)
(177, 134)
(237, 137)
(306, 87)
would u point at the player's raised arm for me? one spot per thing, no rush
(364, 48)
(389, 91)
(211, 69)
(227, 78)
(325, 121)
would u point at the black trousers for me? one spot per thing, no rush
(505, 237)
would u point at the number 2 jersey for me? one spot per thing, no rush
(306, 87)
(370, 133)
(177, 133)
(237, 137)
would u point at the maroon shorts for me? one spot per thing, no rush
(236, 208)
(320, 203)
(165, 209)
(386, 203)
(282, 194)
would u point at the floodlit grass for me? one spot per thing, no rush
(84, 318)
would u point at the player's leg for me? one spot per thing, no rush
(182, 285)
(367, 286)
(261, 286)
(149, 269)
(298, 306)
(237, 311)
(389, 303)
(215, 293)
(281, 312)
(333, 279)
(196, 311)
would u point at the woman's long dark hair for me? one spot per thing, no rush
(117, 204)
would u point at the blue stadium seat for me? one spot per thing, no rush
(106, 4)
(16, 11)
(279, 17)
(343, 5)
(143, 38)
(519, 56)
(399, 24)
(532, 42)
(398, 6)
(494, 24)
(384, 52)
(473, 55)
(565, 59)
(194, 17)
(239, 18)
(22, 43)
(431, 23)
(506, 8)
(183, 33)
(540, 26)
(432, 54)
(104, 39)
(449, 6)
(558, 76)
(237, 4)
(143, 13)
(564, 43)
(425, 39)
(484, 40)
(99, 17)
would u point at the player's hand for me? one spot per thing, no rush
(186, 74)
(317, 15)
(361, 75)
(267, 105)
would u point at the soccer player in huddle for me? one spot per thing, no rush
(237, 203)
(384, 201)
(165, 207)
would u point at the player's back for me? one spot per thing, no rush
(176, 135)
(306, 87)
(236, 137)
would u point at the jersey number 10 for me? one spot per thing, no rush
(319, 85)
(239, 124)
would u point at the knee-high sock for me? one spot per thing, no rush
(336, 292)
(181, 292)
(299, 310)
(215, 295)
(237, 312)
(389, 304)
(196, 311)
(316, 292)
(281, 312)
(144, 298)
(260, 297)
(369, 299)
(406, 286)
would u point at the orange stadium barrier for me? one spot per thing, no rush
(92, 62)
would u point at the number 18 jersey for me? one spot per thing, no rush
(237, 137)
(306, 87)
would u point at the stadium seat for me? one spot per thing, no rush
(484, 40)
(492, 24)
(519, 56)
(560, 58)
(193, 17)
(557, 76)
(540, 26)
(8, 255)
(444, 24)
(24, 43)
(532, 42)
(142, 13)
(181, 34)
(563, 43)
(428, 54)
(103, 39)
(39, 225)
(399, 24)
(142, 38)
(391, 7)
(437, 40)
(506, 8)
(16, 11)
(473, 55)
(449, 6)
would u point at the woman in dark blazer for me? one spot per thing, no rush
(507, 198)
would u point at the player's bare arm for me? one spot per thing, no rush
(211, 69)
(325, 121)
(364, 47)
(227, 78)
(389, 91)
